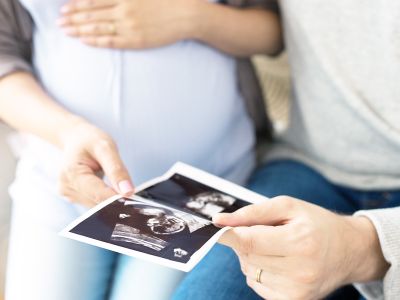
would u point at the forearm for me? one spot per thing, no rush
(25, 106)
(239, 32)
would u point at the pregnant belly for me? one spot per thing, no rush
(178, 102)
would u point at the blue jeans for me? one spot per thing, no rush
(45, 266)
(218, 275)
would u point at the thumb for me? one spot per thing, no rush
(111, 163)
(275, 211)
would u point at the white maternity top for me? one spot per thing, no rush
(176, 103)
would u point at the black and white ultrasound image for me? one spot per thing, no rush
(191, 196)
(149, 228)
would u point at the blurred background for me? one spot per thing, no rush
(274, 75)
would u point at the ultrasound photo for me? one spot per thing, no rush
(148, 227)
(186, 194)
(168, 221)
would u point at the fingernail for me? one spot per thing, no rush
(218, 225)
(125, 187)
(217, 219)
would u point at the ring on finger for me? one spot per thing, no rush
(112, 28)
(258, 275)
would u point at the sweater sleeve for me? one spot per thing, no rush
(387, 224)
(15, 38)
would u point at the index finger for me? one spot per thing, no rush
(259, 239)
(93, 190)
(269, 212)
(85, 5)
(86, 187)
(106, 154)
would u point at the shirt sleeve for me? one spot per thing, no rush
(15, 38)
(387, 224)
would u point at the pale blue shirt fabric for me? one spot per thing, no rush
(176, 103)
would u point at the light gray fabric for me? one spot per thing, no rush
(387, 223)
(345, 113)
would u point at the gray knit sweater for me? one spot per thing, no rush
(345, 118)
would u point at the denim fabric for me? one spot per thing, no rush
(45, 266)
(218, 276)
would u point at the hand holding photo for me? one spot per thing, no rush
(168, 221)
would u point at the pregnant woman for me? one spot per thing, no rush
(119, 90)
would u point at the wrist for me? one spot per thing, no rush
(199, 20)
(71, 126)
(364, 252)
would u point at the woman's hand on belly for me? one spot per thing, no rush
(139, 24)
(129, 24)
(89, 152)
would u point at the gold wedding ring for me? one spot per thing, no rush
(258, 275)
(112, 28)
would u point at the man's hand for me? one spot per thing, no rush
(304, 251)
(89, 152)
(129, 24)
